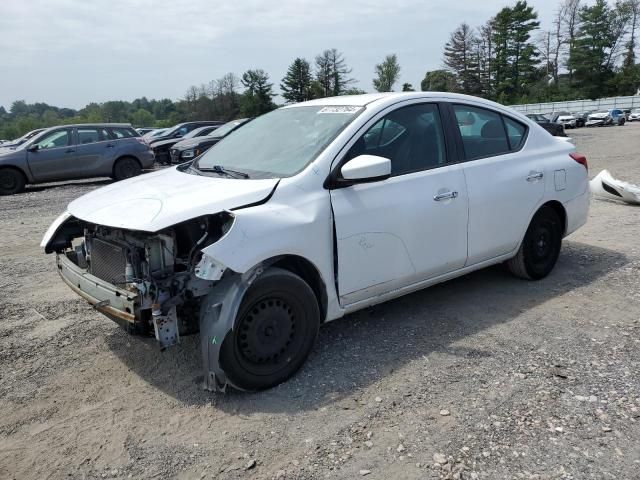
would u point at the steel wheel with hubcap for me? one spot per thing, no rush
(540, 247)
(275, 329)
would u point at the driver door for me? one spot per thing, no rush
(54, 157)
(409, 227)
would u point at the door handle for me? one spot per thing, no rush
(445, 196)
(534, 176)
(110, 145)
(70, 150)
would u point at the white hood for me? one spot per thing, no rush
(158, 200)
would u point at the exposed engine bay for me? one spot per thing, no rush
(154, 275)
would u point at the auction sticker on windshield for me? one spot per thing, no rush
(339, 109)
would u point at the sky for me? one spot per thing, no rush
(68, 53)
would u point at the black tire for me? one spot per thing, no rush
(540, 247)
(12, 181)
(275, 329)
(126, 167)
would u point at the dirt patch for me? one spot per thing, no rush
(485, 376)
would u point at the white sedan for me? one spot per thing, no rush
(316, 210)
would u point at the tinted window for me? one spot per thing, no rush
(411, 137)
(55, 139)
(516, 133)
(483, 133)
(88, 135)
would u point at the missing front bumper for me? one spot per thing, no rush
(116, 303)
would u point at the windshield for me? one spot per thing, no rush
(280, 143)
(226, 128)
(194, 133)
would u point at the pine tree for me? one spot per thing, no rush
(258, 96)
(514, 63)
(459, 58)
(387, 73)
(296, 84)
(593, 50)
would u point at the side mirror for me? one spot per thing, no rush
(33, 148)
(177, 135)
(366, 168)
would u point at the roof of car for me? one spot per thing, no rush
(99, 124)
(369, 98)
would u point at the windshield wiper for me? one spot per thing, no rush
(224, 171)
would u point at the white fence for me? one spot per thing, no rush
(580, 105)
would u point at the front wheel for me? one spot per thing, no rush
(540, 247)
(274, 331)
(11, 181)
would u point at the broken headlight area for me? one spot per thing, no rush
(151, 281)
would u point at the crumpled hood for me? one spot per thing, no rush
(161, 199)
(598, 116)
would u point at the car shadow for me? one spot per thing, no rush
(364, 347)
(39, 187)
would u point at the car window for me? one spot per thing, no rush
(383, 133)
(515, 132)
(121, 133)
(483, 133)
(88, 135)
(411, 137)
(58, 138)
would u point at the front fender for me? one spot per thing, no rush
(270, 230)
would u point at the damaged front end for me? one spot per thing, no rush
(149, 282)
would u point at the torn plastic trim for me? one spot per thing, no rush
(217, 318)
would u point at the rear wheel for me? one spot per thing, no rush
(275, 329)
(11, 181)
(126, 167)
(540, 247)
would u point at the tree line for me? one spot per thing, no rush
(588, 51)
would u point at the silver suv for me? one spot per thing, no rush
(74, 151)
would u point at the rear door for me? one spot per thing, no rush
(504, 180)
(54, 158)
(410, 227)
(95, 151)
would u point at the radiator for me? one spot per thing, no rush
(108, 261)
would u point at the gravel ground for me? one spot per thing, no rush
(486, 376)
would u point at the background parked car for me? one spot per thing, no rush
(144, 130)
(555, 129)
(19, 141)
(161, 147)
(180, 130)
(634, 115)
(75, 151)
(581, 118)
(606, 117)
(153, 134)
(564, 118)
(188, 149)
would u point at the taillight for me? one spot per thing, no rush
(581, 159)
